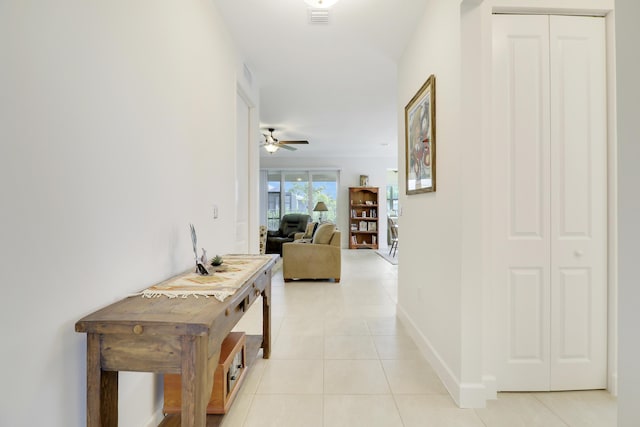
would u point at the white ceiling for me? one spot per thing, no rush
(335, 84)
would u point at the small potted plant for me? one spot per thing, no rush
(217, 261)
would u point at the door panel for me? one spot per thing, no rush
(527, 327)
(521, 199)
(573, 329)
(579, 203)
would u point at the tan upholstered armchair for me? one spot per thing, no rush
(317, 259)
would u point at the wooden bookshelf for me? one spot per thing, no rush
(363, 218)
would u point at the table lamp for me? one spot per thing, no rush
(320, 207)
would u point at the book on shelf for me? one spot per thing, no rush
(354, 240)
(372, 226)
(374, 239)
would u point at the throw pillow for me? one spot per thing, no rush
(311, 228)
(323, 234)
(263, 239)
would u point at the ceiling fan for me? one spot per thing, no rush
(272, 144)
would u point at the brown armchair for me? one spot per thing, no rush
(319, 259)
(290, 224)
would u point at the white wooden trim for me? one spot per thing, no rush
(466, 395)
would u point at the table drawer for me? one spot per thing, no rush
(120, 352)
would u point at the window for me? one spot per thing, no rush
(392, 193)
(298, 192)
(273, 201)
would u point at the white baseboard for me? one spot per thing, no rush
(466, 395)
(491, 387)
(473, 395)
(613, 384)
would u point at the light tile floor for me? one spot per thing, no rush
(340, 358)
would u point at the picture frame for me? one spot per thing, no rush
(364, 180)
(420, 139)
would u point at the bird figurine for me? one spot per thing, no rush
(201, 269)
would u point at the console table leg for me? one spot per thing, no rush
(194, 381)
(102, 388)
(266, 320)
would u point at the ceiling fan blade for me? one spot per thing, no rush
(286, 147)
(293, 142)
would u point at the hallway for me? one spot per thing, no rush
(340, 358)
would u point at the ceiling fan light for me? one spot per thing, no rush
(271, 148)
(321, 4)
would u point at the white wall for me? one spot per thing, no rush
(114, 130)
(429, 274)
(628, 69)
(350, 170)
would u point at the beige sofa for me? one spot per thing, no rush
(319, 258)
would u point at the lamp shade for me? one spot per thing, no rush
(320, 207)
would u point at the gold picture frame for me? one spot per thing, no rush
(420, 139)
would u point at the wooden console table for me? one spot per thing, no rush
(166, 335)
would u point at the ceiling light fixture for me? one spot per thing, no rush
(271, 148)
(321, 4)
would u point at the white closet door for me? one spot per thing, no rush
(521, 199)
(578, 203)
(549, 188)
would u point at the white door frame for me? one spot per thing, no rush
(555, 252)
(483, 78)
(253, 167)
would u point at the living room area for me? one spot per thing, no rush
(317, 195)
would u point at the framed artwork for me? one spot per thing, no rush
(364, 181)
(420, 139)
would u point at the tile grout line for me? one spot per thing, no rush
(551, 410)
